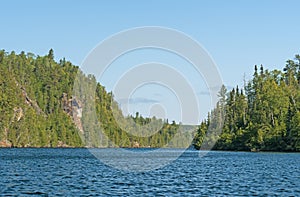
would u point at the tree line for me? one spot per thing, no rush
(263, 115)
(37, 108)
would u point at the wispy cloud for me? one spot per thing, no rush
(136, 100)
(157, 94)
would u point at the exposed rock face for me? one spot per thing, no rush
(5, 144)
(60, 144)
(73, 107)
(135, 144)
(18, 114)
(29, 101)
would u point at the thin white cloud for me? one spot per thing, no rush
(137, 100)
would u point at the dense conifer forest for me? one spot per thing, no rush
(263, 115)
(38, 109)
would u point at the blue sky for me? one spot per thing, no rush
(237, 34)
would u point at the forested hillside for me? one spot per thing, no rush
(263, 115)
(37, 108)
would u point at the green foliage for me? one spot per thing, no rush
(30, 102)
(266, 117)
(37, 108)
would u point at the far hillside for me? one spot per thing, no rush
(38, 109)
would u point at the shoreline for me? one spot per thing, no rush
(133, 148)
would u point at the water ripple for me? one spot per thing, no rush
(76, 172)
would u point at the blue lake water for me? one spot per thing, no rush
(77, 172)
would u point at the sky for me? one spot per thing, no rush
(236, 34)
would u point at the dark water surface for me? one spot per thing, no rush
(76, 172)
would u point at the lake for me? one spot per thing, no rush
(77, 172)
